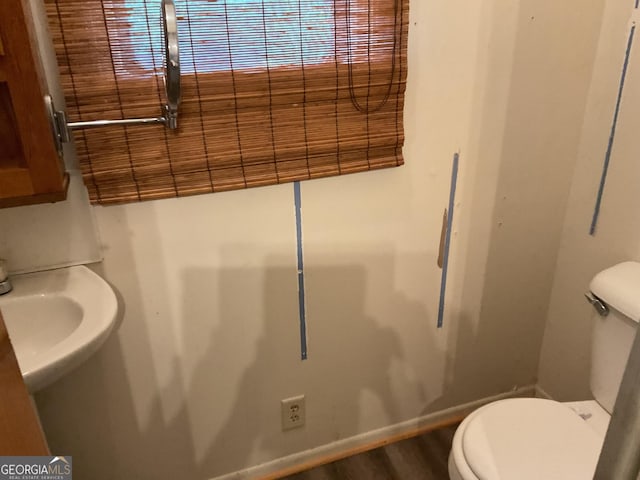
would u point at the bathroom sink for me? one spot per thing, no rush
(56, 319)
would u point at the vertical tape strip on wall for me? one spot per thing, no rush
(612, 135)
(447, 238)
(301, 298)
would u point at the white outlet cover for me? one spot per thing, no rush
(292, 412)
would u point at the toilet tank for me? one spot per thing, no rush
(619, 288)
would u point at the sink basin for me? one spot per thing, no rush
(56, 319)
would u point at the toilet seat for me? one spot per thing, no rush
(526, 439)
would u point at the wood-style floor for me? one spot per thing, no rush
(423, 457)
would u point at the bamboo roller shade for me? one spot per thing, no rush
(273, 91)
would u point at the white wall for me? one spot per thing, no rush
(189, 386)
(565, 360)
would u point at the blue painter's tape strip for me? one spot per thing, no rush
(447, 239)
(612, 135)
(301, 299)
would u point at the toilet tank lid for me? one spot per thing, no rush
(619, 287)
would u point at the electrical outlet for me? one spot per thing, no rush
(293, 412)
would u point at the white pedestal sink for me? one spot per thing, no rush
(56, 319)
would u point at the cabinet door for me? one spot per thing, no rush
(30, 169)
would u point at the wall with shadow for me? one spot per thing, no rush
(236, 355)
(532, 84)
(117, 414)
(190, 384)
(355, 371)
(566, 354)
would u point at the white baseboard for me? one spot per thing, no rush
(352, 443)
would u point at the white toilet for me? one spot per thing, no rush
(535, 439)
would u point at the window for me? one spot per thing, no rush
(273, 91)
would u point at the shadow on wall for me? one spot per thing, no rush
(114, 414)
(469, 372)
(198, 396)
(351, 355)
(530, 118)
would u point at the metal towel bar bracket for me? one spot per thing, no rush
(58, 119)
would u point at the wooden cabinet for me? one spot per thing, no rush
(20, 430)
(31, 171)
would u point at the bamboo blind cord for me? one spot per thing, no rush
(128, 157)
(304, 86)
(233, 82)
(273, 91)
(271, 130)
(396, 39)
(200, 108)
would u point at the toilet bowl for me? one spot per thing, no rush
(529, 439)
(539, 439)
